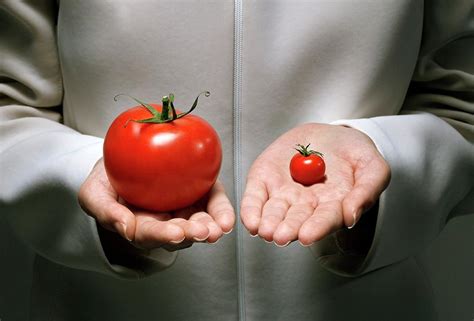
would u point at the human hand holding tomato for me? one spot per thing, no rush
(281, 210)
(156, 184)
(206, 220)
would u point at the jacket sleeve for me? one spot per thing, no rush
(429, 146)
(43, 162)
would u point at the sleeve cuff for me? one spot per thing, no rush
(38, 195)
(431, 165)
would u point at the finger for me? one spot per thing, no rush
(251, 207)
(99, 201)
(326, 219)
(193, 230)
(152, 234)
(215, 231)
(370, 181)
(288, 229)
(220, 208)
(273, 213)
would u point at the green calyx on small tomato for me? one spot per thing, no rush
(303, 150)
(307, 167)
(164, 116)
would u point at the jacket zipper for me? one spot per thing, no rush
(237, 109)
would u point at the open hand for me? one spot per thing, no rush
(280, 210)
(206, 221)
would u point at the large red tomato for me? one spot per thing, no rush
(163, 165)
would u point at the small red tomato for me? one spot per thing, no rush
(159, 159)
(307, 167)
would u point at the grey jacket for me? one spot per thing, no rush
(400, 71)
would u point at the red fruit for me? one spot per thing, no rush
(161, 162)
(307, 166)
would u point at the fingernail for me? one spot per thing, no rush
(355, 217)
(283, 244)
(177, 242)
(121, 228)
(266, 240)
(253, 235)
(214, 242)
(305, 245)
(229, 231)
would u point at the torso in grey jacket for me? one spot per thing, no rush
(270, 66)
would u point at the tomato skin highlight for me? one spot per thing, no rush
(307, 170)
(161, 167)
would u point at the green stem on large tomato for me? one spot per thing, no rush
(166, 108)
(163, 117)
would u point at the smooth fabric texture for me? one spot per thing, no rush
(318, 61)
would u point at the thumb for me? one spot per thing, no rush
(99, 200)
(371, 179)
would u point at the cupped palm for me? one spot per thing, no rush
(281, 210)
